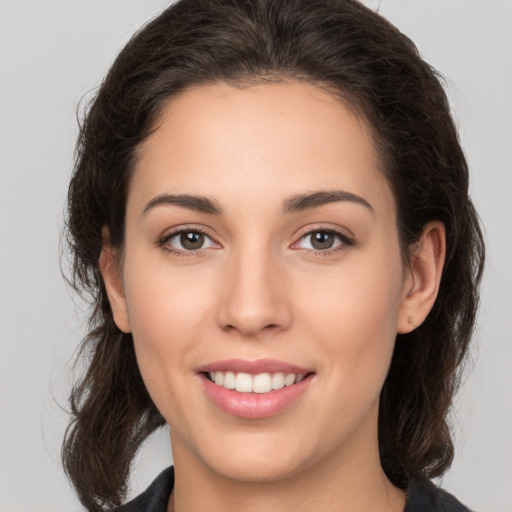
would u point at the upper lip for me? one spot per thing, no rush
(252, 367)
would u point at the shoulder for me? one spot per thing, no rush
(424, 496)
(155, 498)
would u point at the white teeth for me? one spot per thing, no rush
(278, 381)
(260, 383)
(243, 383)
(229, 380)
(289, 379)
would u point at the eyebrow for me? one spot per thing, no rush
(191, 202)
(302, 202)
(294, 204)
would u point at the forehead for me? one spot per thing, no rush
(257, 142)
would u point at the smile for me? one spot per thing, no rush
(260, 383)
(254, 389)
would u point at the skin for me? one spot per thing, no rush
(259, 289)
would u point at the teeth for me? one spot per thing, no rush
(278, 381)
(289, 379)
(243, 382)
(260, 383)
(229, 380)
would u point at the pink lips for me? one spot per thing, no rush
(253, 367)
(254, 405)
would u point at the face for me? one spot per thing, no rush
(261, 252)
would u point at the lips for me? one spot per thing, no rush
(254, 389)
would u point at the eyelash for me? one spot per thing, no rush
(345, 240)
(177, 252)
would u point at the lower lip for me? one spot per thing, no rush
(254, 405)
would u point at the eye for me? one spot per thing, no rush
(323, 240)
(187, 240)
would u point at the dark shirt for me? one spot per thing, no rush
(422, 496)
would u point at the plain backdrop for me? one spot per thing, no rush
(52, 52)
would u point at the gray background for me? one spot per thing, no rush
(52, 52)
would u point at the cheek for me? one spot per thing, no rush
(167, 312)
(164, 303)
(354, 316)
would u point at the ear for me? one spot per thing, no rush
(110, 268)
(423, 277)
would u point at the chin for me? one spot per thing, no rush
(254, 457)
(258, 468)
(272, 466)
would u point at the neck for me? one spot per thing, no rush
(342, 482)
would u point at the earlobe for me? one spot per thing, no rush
(422, 283)
(110, 268)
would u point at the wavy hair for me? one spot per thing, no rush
(376, 70)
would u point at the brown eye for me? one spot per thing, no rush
(324, 240)
(191, 240)
(321, 240)
(187, 241)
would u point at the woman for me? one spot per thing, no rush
(270, 210)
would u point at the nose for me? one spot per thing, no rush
(254, 298)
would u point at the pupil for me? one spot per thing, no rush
(192, 240)
(322, 240)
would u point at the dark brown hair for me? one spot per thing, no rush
(357, 55)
